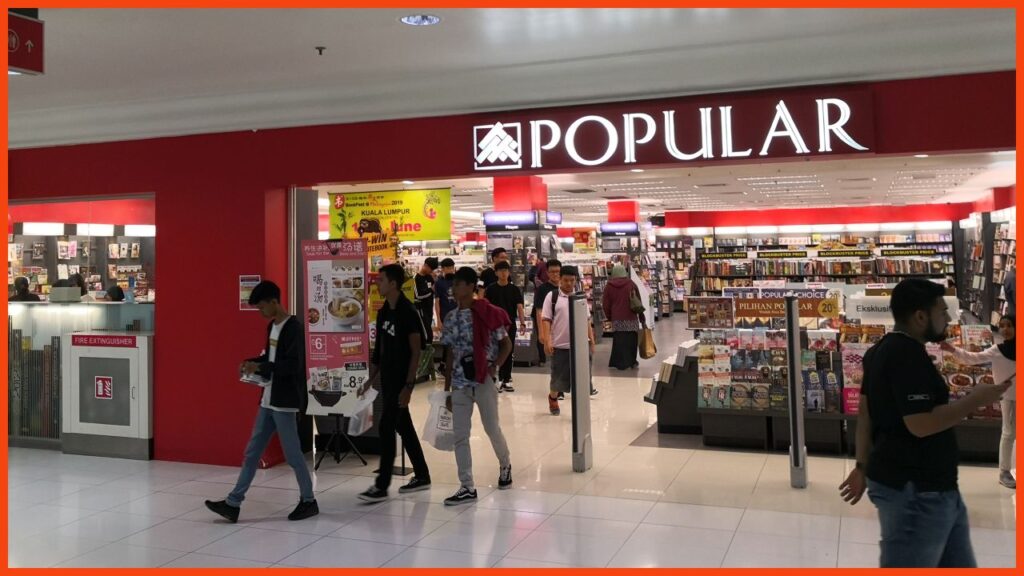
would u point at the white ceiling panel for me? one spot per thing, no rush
(125, 74)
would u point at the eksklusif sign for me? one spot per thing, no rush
(380, 216)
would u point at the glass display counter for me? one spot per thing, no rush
(34, 366)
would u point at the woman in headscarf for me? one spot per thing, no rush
(625, 324)
(1003, 358)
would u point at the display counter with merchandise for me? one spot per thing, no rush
(34, 368)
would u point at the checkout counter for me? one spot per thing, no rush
(80, 377)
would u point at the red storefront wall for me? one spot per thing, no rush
(221, 212)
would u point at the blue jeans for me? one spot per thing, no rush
(922, 529)
(267, 421)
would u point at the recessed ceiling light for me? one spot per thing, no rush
(920, 155)
(408, 182)
(421, 19)
(637, 170)
(13, 73)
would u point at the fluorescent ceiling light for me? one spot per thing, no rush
(863, 227)
(795, 229)
(466, 214)
(637, 170)
(889, 226)
(13, 73)
(142, 230)
(408, 182)
(731, 230)
(698, 231)
(42, 229)
(421, 19)
(1005, 215)
(920, 155)
(95, 229)
(938, 225)
(762, 229)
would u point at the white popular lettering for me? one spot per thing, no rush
(535, 139)
(826, 128)
(725, 117)
(782, 115)
(570, 140)
(705, 150)
(629, 133)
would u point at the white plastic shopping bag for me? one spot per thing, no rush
(361, 421)
(439, 429)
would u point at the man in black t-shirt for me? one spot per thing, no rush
(554, 268)
(425, 295)
(488, 276)
(907, 452)
(507, 296)
(396, 355)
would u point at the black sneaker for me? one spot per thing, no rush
(506, 387)
(229, 512)
(415, 485)
(561, 395)
(304, 510)
(374, 494)
(505, 478)
(463, 496)
(593, 391)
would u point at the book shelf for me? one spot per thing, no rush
(1004, 259)
(679, 249)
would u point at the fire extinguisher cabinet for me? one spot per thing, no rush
(107, 394)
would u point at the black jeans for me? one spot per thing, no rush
(397, 419)
(505, 370)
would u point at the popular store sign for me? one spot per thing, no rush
(700, 130)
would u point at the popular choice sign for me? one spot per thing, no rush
(790, 124)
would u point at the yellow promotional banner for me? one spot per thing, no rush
(380, 217)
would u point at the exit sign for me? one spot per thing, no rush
(24, 44)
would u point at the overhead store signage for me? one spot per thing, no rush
(378, 216)
(620, 229)
(553, 217)
(776, 308)
(782, 125)
(24, 44)
(782, 254)
(908, 252)
(511, 221)
(844, 253)
(723, 256)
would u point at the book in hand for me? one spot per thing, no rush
(255, 380)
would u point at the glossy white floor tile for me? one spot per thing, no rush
(340, 552)
(416, 557)
(259, 545)
(120, 555)
(638, 506)
(387, 529)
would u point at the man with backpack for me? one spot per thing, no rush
(555, 335)
(396, 355)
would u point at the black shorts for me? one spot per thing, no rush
(560, 365)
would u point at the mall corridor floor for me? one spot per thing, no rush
(675, 505)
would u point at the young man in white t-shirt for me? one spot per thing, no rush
(554, 332)
(283, 366)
